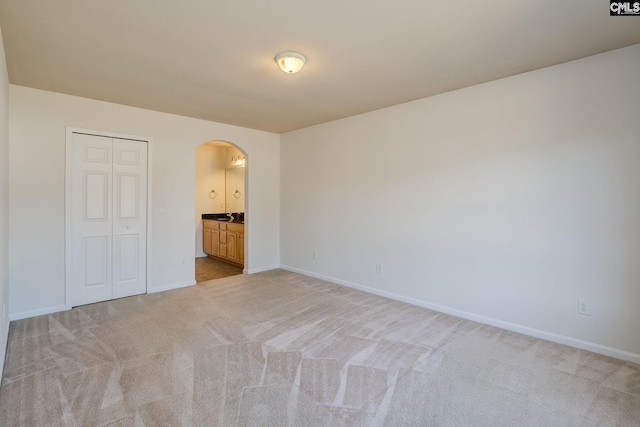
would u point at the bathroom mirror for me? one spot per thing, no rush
(234, 189)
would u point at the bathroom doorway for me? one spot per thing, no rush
(220, 201)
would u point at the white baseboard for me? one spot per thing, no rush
(201, 255)
(549, 336)
(57, 308)
(171, 286)
(39, 312)
(261, 269)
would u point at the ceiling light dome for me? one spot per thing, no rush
(290, 62)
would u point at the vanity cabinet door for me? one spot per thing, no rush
(207, 236)
(206, 240)
(210, 237)
(215, 242)
(232, 243)
(241, 248)
(235, 243)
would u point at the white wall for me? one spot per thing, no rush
(210, 175)
(504, 202)
(36, 190)
(4, 203)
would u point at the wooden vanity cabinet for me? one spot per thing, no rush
(223, 240)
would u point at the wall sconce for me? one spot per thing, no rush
(290, 62)
(239, 161)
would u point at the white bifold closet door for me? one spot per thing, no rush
(108, 218)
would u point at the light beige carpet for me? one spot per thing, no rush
(278, 348)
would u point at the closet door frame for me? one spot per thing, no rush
(68, 237)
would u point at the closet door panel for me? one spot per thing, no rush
(130, 213)
(91, 221)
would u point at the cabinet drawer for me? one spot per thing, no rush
(223, 226)
(211, 225)
(238, 228)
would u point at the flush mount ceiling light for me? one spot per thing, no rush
(290, 62)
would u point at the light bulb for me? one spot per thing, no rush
(290, 62)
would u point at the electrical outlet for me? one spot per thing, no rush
(584, 307)
(379, 269)
(183, 262)
(314, 255)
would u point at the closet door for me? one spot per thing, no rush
(129, 218)
(91, 222)
(107, 218)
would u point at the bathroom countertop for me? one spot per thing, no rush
(221, 218)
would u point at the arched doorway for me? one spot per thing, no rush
(220, 210)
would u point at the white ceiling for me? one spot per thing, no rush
(214, 59)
